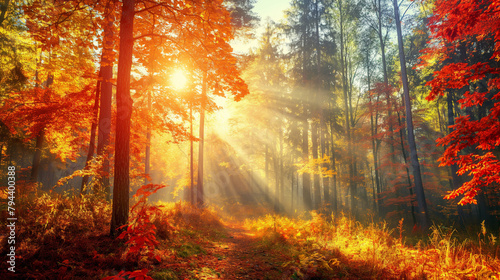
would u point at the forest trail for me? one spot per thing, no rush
(237, 254)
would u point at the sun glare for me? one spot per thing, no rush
(178, 80)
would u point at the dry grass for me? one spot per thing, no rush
(352, 246)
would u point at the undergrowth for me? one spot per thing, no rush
(66, 236)
(61, 236)
(325, 246)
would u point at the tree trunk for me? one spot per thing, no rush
(119, 216)
(306, 177)
(334, 169)
(103, 135)
(267, 171)
(93, 129)
(281, 175)
(456, 183)
(147, 163)
(40, 139)
(373, 130)
(423, 215)
(324, 153)
(315, 134)
(35, 168)
(191, 155)
(199, 192)
(402, 132)
(386, 81)
(347, 122)
(277, 182)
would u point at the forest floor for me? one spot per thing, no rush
(243, 253)
(236, 254)
(68, 238)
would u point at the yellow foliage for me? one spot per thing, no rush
(442, 258)
(316, 166)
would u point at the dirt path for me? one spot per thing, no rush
(236, 255)
(243, 259)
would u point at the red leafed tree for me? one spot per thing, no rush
(474, 139)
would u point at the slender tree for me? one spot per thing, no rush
(422, 214)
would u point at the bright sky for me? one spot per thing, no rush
(264, 9)
(271, 8)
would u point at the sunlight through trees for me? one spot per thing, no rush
(137, 123)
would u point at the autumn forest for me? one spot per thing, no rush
(202, 139)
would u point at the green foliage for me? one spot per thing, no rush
(189, 249)
(164, 275)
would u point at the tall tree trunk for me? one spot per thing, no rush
(374, 131)
(402, 133)
(147, 163)
(93, 129)
(103, 135)
(386, 80)
(316, 178)
(334, 169)
(456, 183)
(306, 177)
(277, 182)
(423, 215)
(347, 121)
(200, 200)
(291, 185)
(119, 215)
(281, 176)
(40, 139)
(191, 155)
(267, 171)
(316, 127)
(35, 168)
(324, 153)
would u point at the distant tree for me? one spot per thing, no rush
(422, 213)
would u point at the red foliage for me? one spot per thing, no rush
(141, 232)
(471, 142)
(137, 275)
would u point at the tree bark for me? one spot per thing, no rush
(347, 121)
(373, 130)
(120, 210)
(456, 183)
(306, 177)
(191, 155)
(103, 135)
(147, 163)
(35, 168)
(422, 215)
(93, 129)
(199, 192)
(40, 139)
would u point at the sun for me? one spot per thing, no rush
(178, 79)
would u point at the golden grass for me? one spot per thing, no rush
(373, 246)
